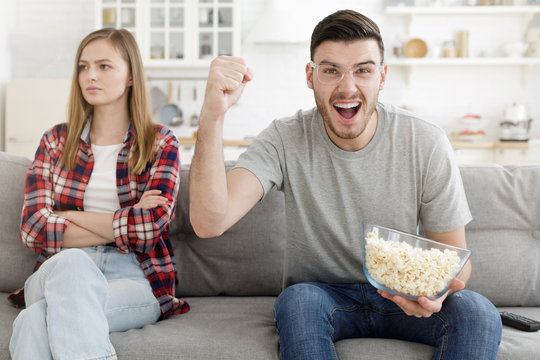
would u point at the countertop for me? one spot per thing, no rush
(191, 141)
(522, 145)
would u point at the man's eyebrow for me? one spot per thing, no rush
(367, 62)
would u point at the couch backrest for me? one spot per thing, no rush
(505, 234)
(504, 238)
(245, 260)
(16, 261)
(248, 259)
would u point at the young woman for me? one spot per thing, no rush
(99, 198)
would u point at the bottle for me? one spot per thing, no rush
(463, 44)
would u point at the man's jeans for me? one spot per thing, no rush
(75, 299)
(310, 317)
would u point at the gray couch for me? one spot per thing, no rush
(231, 282)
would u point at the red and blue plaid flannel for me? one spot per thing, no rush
(50, 187)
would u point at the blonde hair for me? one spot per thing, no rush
(142, 150)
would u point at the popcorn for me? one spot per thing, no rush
(409, 270)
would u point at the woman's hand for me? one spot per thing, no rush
(151, 199)
(424, 307)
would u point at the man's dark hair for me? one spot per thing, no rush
(346, 25)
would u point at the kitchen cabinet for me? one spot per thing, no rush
(173, 33)
(511, 156)
(474, 156)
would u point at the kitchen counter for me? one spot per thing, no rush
(490, 145)
(186, 141)
(500, 152)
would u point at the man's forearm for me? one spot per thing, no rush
(207, 179)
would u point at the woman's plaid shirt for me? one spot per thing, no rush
(50, 187)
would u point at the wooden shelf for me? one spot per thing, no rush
(463, 61)
(462, 10)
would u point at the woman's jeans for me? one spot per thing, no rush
(75, 299)
(310, 317)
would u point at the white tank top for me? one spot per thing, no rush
(101, 194)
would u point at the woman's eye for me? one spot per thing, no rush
(105, 66)
(82, 67)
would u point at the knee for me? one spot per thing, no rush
(71, 262)
(300, 301)
(74, 258)
(474, 311)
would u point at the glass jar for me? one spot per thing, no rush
(449, 49)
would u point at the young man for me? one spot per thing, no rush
(349, 159)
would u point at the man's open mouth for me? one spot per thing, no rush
(347, 110)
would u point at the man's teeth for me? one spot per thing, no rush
(346, 106)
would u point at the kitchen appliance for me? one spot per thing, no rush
(516, 124)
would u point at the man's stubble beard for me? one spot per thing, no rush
(348, 134)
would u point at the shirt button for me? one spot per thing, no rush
(85, 180)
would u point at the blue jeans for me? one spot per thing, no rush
(310, 317)
(75, 299)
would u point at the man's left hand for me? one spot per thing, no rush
(424, 307)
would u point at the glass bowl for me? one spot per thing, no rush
(409, 265)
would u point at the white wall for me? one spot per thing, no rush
(279, 87)
(46, 33)
(6, 23)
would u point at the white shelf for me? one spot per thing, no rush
(463, 61)
(462, 10)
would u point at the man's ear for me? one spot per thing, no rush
(309, 76)
(383, 77)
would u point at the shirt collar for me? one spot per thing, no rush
(85, 134)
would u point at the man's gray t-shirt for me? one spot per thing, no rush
(405, 175)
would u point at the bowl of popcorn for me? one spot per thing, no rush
(409, 265)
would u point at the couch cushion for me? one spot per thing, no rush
(7, 315)
(504, 235)
(16, 261)
(245, 260)
(517, 344)
(215, 328)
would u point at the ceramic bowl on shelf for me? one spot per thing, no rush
(409, 265)
(416, 48)
(514, 48)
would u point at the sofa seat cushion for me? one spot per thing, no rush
(382, 349)
(215, 328)
(517, 344)
(243, 328)
(7, 315)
